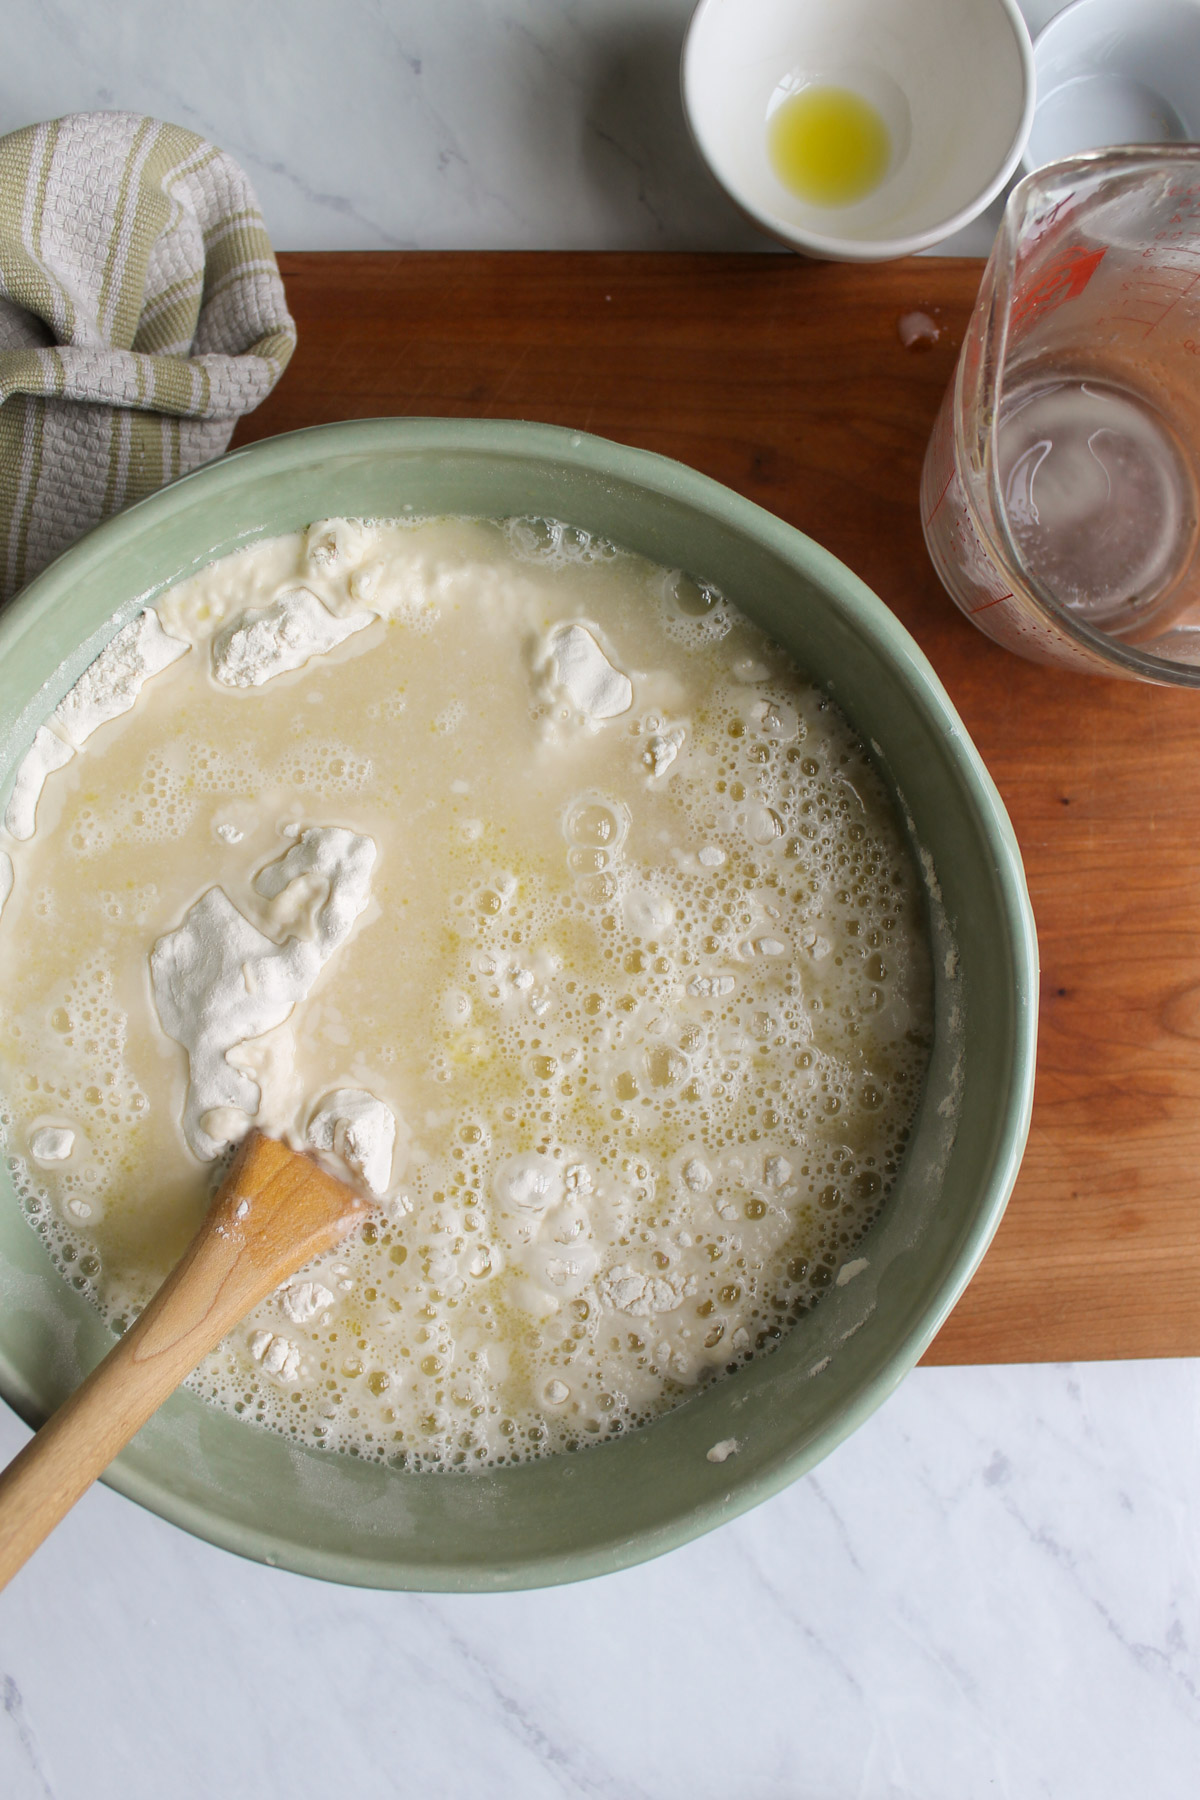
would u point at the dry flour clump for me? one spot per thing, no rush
(221, 982)
(271, 640)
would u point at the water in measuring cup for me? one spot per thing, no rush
(1099, 498)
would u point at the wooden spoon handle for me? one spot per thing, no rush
(274, 1212)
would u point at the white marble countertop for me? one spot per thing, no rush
(989, 1590)
(992, 1589)
(415, 124)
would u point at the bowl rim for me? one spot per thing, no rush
(884, 631)
(824, 245)
(1075, 30)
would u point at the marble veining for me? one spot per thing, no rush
(396, 124)
(991, 1589)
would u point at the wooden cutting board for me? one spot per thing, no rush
(788, 381)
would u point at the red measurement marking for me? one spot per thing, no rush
(987, 603)
(1049, 217)
(941, 496)
(1062, 279)
(1175, 302)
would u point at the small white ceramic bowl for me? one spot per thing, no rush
(1112, 72)
(952, 79)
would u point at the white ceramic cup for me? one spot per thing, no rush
(952, 79)
(1115, 72)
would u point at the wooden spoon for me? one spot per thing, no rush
(274, 1212)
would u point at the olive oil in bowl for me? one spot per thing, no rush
(828, 146)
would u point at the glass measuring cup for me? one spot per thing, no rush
(1060, 495)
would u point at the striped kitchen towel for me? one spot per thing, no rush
(141, 314)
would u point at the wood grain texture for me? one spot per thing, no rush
(787, 381)
(275, 1211)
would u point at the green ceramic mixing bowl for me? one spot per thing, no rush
(616, 1503)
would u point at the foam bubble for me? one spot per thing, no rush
(556, 545)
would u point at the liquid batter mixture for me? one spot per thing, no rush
(527, 882)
